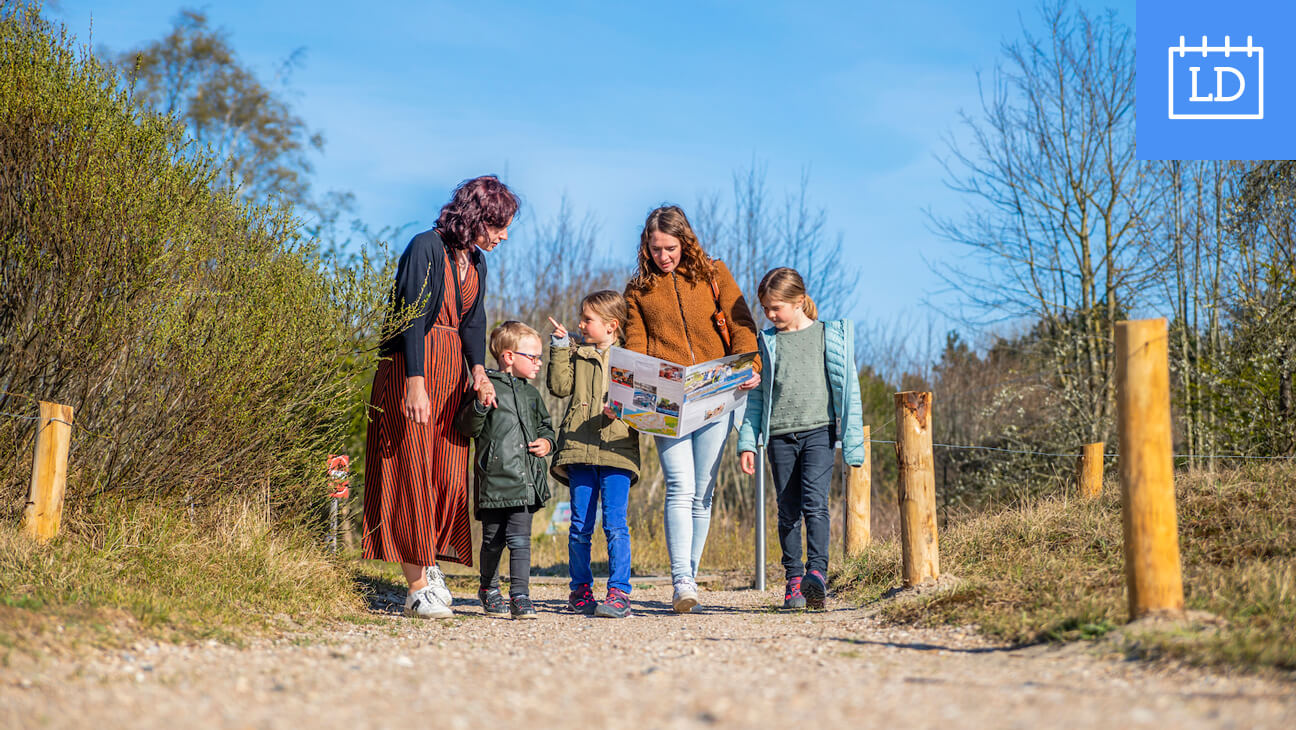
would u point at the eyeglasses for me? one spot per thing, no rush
(534, 358)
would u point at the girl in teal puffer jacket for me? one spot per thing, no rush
(808, 400)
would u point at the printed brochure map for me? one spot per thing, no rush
(659, 397)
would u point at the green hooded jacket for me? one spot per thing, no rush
(588, 436)
(505, 473)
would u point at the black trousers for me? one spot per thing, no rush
(509, 527)
(802, 464)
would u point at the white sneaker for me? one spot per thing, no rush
(424, 603)
(436, 581)
(686, 595)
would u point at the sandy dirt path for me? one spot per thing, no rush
(737, 663)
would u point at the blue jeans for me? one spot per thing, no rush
(588, 483)
(689, 465)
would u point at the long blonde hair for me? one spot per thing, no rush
(694, 263)
(786, 285)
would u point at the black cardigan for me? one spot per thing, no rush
(420, 271)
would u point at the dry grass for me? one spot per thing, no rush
(148, 570)
(729, 549)
(1053, 570)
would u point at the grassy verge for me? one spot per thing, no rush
(1053, 571)
(127, 571)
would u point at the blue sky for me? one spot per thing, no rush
(622, 106)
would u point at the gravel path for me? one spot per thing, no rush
(735, 664)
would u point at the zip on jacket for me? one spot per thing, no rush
(526, 437)
(506, 473)
(683, 320)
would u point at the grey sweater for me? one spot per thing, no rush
(801, 399)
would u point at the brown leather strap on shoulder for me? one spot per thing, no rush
(721, 321)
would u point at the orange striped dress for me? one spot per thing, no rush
(416, 476)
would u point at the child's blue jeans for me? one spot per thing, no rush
(589, 485)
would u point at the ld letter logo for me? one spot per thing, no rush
(1216, 82)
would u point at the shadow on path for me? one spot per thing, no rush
(383, 595)
(921, 646)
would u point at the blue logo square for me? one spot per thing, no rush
(1216, 81)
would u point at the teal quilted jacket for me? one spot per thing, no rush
(839, 356)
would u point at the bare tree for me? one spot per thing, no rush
(1198, 252)
(547, 272)
(761, 235)
(1059, 202)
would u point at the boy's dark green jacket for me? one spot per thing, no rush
(505, 473)
(588, 436)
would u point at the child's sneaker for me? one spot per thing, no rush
(436, 581)
(493, 602)
(520, 607)
(616, 605)
(423, 603)
(815, 589)
(792, 597)
(686, 595)
(581, 600)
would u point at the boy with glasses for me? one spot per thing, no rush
(511, 478)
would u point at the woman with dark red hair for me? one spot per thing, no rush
(416, 463)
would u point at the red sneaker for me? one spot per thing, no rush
(792, 598)
(581, 600)
(616, 605)
(815, 589)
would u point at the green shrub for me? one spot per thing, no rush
(206, 346)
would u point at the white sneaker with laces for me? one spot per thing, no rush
(686, 595)
(436, 581)
(424, 603)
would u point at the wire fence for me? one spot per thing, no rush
(1105, 455)
(76, 426)
(962, 447)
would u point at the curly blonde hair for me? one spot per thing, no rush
(694, 263)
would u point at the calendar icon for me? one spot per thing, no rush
(1216, 82)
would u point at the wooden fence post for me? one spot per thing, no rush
(917, 488)
(1090, 470)
(44, 508)
(1152, 571)
(859, 484)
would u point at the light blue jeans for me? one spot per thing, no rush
(689, 465)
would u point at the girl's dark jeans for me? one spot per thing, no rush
(506, 527)
(802, 464)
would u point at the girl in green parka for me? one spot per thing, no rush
(598, 454)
